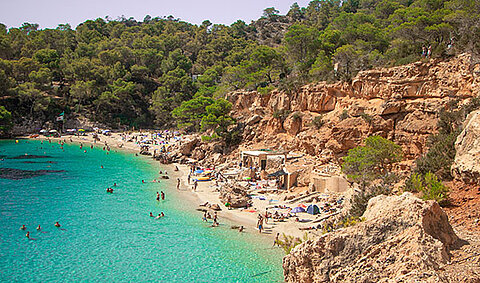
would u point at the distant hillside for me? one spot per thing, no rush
(130, 73)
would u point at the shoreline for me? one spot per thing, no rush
(204, 193)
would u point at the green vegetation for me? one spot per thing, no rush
(429, 186)
(5, 121)
(290, 242)
(367, 118)
(369, 162)
(297, 115)
(343, 223)
(441, 153)
(281, 114)
(370, 166)
(434, 166)
(136, 73)
(318, 122)
(344, 115)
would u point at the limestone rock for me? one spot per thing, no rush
(403, 239)
(234, 194)
(253, 120)
(187, 146)
(466, 166)
(293, 125)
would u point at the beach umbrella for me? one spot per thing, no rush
(298, 209)
(81, 130)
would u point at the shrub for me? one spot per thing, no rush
(344, 115)
(318, 122)
(367, 118)
(360, 200)
(414, 183)
(290, 242)
(434, 189)
(210, 138)
(365, 163)
(281, 114)
(296, 115)
(265, 90)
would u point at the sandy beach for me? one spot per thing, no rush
(206, 192)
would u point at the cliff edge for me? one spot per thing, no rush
(402, 239)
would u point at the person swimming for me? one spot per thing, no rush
(151, 214)
(101, 166)
(23, 227)
(27, 235)
(39, 228)
(114, 184)
(240, 229)
(162, 214)
(158, 196)
(57, 224)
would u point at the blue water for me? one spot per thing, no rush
(110, 237)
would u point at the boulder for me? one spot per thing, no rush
(253, 120)
(403, 239)
(235, 195)
(293, 125)
(187, 146)
(466, 165)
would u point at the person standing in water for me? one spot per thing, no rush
(276, 240)
(57, 224)
(23, 227)
(27, 235)
(163, 195)
(158, 196)
(178, 183)
(39, 228)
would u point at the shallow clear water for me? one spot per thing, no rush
(110, 237)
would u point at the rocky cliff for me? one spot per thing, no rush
(400, 103)
(466, 166)
(403, 239)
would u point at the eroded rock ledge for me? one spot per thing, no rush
(403, 239)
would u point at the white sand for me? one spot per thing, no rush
(206, 192)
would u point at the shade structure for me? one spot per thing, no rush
(313, 209)
(278, 174)
(298, 209)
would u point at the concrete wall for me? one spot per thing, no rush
(329, 184)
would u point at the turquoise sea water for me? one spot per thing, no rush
(110, 237)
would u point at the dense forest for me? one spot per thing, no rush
(164, 72)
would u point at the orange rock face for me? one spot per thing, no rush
(400, 103)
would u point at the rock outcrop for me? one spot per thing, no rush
(466, 166)
(403, 239)
(400, 103)
(235, 195)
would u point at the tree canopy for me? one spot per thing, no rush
(136, 73)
